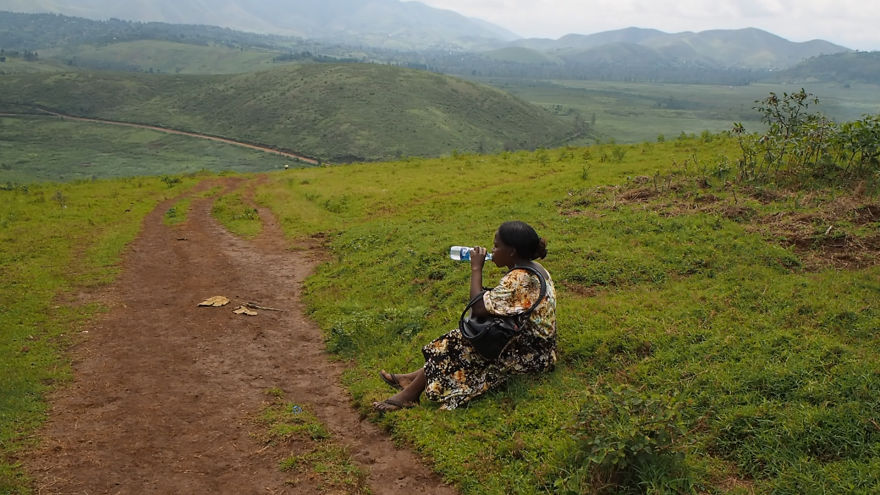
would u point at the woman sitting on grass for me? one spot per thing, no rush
(454, 373)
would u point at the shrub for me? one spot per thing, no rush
(801, 147)
(629, 438)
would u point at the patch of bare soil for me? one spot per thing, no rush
(840, 233)
(165, 393)
(837, 234)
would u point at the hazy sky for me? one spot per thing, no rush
(852, 23)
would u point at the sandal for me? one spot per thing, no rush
(392, 381)
(389, 405)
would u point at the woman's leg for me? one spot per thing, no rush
(408, 397)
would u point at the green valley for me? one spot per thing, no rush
(632, 112)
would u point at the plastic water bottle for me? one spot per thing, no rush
(463, 253)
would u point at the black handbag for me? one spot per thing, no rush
(490, 335)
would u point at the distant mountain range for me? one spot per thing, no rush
(410, 25)
(741, 48)
(380, 23)
(410, 34)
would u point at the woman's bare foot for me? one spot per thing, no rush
(398, 381)
(409, 394)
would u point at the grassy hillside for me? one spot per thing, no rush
(344, 112)
(863, 67)
(38, 149)
(714, 338)
(522, 55)
(17, 65)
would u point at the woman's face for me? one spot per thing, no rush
(502, 254)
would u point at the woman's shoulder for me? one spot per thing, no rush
(524, 272)
(520, 279)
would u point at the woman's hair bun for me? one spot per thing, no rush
(541, 251)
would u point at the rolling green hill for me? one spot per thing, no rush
(336, 112)
(742, 48)
(841, 67)
(163, 56)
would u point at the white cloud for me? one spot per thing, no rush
(851, 23)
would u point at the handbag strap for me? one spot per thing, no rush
(524, 313)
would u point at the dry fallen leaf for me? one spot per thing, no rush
(241, 310)
(215, 301)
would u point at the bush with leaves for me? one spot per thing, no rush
(858, 145)
(800, 145)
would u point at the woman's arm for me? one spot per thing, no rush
(478, 259)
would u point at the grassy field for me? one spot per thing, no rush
(57, 241)
(48, 149)
(19, 66)
(711, 339)
(638, 112)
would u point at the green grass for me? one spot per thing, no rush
(36, 149)
(314, 453)
(178, 213)
(696, 315)
(638, 112)
(20, 66)
(56, 241)
(238, 216)
(337, 112)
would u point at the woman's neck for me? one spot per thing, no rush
(519, 262)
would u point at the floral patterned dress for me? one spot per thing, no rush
(456, 373)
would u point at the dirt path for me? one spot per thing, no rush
(166, 130)
(165, 393)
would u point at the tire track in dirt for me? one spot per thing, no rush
(165, 393)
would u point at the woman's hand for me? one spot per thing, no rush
(478, 257)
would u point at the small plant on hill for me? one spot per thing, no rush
(629, 438)
(170, 181)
